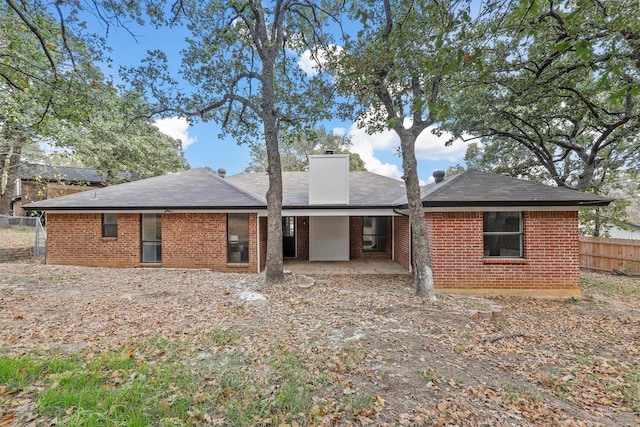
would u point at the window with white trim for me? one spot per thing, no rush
(503, 234)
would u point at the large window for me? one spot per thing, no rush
(503, 234)
(374, 234)
(110, 225)
(151, 238)
(238, 238)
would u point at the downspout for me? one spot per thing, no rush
(258, 239)
(410, 240)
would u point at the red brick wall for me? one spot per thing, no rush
(199, 240)
(302, 238)
(551, 255)
(76, 239)
(401, 241)
(191, 240)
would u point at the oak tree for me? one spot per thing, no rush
(241, 63)
(396, 70)
(554, 93)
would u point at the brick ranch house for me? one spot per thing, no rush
(488, 233)
(40, 182)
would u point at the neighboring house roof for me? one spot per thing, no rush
(473, 188)
(366, 189)
(61, 173)
(192, 189)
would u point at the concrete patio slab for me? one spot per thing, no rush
(358, 266)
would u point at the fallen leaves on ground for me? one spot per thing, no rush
(387, 357)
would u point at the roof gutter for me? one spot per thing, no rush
(170, 209)
(400, 213)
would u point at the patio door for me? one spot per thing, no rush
(288, 236)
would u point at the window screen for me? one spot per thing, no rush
(503, 234)
(151, 238)
(238, 238)
(374, 234)
(110, 225)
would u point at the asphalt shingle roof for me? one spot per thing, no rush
(366, 189)
(191, 189)
(477, 188)
(61, 173)
(201, 189)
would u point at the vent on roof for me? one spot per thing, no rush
(328, 151)
(222, 172)
(438, 175)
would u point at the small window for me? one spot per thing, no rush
(374, 234)
(238, 238)
(151, 231)
(110, 225)
(17, 190)
(503, 234)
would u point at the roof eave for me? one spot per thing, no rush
(140, 208)
(533, 203)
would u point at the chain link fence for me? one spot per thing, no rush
(18, 232)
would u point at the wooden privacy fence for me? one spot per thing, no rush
(603, 254)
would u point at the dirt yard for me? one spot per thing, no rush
(503, 361)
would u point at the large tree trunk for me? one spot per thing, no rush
(274, 270)
(422, 273)
(11, 151)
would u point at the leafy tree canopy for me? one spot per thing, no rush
(241, 62)
(51, 93)
(554, 94)
(397, 69)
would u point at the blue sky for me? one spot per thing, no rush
(203, 147)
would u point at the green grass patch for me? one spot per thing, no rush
(113, 388)
(429, 374)
(352, 355)
(222, 337)
(519, 392)
(214, 381)
(609, 286)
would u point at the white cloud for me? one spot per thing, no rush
(429, 147)
(176, 127)
(432, 147)
(365, 146)
(310, 65)
(339, 131)
(307, 64)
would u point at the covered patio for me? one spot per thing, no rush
(356, 266)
